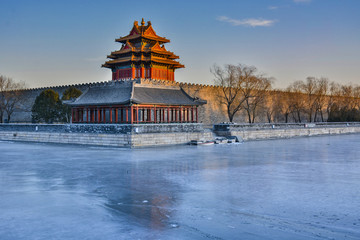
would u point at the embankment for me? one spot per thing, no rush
(113, 135)
(250, 132)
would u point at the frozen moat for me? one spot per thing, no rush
(306, 188)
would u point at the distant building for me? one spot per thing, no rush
(143, 55)
(127, 99)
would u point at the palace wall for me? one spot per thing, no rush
(28, 99)
(210, 113)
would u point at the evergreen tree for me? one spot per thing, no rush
(47, 107)
(69, 94)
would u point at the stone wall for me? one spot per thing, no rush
(23, 114)
(210, 113)
(109, 140)
(276, 131)
(112, 135)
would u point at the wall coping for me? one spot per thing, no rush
(258, 126)
(104, 128)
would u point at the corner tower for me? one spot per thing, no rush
(142, 55)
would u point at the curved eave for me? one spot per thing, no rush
(174, 64)
(117, 53)
(134, 101)
(132, 37)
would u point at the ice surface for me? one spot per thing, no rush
(306, 188)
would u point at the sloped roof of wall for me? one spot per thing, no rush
(117, 94)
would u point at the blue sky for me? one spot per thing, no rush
(48, 43)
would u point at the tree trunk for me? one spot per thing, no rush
(299, 116)
(249, 115)
(322, 116)
(231, 116)
(269, 117)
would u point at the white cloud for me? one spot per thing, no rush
(273, 7)
(250, 22)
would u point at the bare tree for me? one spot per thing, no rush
(309, 88)
(254, 91)
(10, 96)
(284, 106)
(230, 80)
(296, 100)
(348, 99)
(270, 107)
(333, 96)
(321, 95)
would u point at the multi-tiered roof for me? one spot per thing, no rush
(143, 55)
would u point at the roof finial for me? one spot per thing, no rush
(142, 22)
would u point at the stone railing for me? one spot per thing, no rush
(258, 126)
(104, 128)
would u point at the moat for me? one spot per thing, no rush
(305, 188)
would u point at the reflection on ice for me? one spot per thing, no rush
(303, 188)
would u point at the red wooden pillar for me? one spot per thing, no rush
(72, 115)
(143, 114)
(82, 114)
(192, 114)
(77, 114)
(122, 110)
(98, 115)
(155, 114)
(133, 72)
(111, 115)
(196, 110)
(126, 114)
(76, 118)
(168, 115)
(131, 114)
(137, 114)
(103, 115)
(116, 115)
(142, 72)
(188, 114)
(180, 114)
(86, 114)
